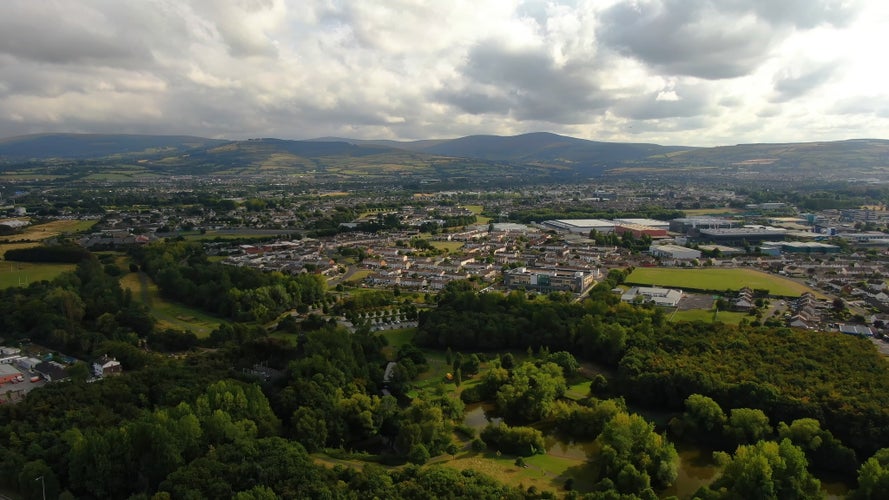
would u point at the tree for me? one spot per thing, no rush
(523, 441)
(36, 478)
(873, 477)
(703, 418)
(630, 450)
(748, 425)
(566, 360)
(418, 454)
(529, 391)
(823, 450)
(309, 427)
(765, 470)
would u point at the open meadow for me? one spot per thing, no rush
(716, 280)
(168, 314)
(50, 229)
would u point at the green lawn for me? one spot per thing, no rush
(359, 275)
(717, 280)
(546, 472)
(578, 391)
(477, 210)
(396, 339)
(169, 314)
(24, 273)
(450, 246)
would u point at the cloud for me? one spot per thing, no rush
(525, 83)
(708, 38)
(791, 84)
(53, 33)
(674, 71)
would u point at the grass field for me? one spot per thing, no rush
(359, 275)
(4, 247)
(24, 273)
(477, 210)
(168, 314)
(578, 391)
(396, 339)
(50, 230)
(545, 472)
(717, 280)
(450, 246)
(706, 316)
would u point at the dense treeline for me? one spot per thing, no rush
(71, 254)
(183, 273)
(576, 212)
(595, 329)
(75, 313)
(186, 431)
(838, 380)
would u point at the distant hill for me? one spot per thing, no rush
(856, 153)
(527, 156)
(534, 148)
(87, 146)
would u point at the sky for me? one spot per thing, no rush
(678, 72)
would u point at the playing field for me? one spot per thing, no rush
(717, 280)
(25, 273)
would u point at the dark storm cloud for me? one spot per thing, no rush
(708, 38)
(51, 33)
(527, 84)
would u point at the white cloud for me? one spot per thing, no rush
(668, 71)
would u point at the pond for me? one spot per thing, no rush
(479, 415)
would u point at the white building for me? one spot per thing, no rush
(674, 252)
(581, 226)
(666, 297)
(657, 224)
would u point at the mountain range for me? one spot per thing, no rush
(528, 155)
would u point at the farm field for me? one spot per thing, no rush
(717, 280)
(50, 230)
(24, 273)
(168, 314)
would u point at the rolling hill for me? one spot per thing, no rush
(91, 146)
(536, 155)
(535, 148)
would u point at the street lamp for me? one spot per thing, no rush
(42, 485)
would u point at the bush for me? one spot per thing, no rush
(478, 445)
(418, 454)
(523, 441)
